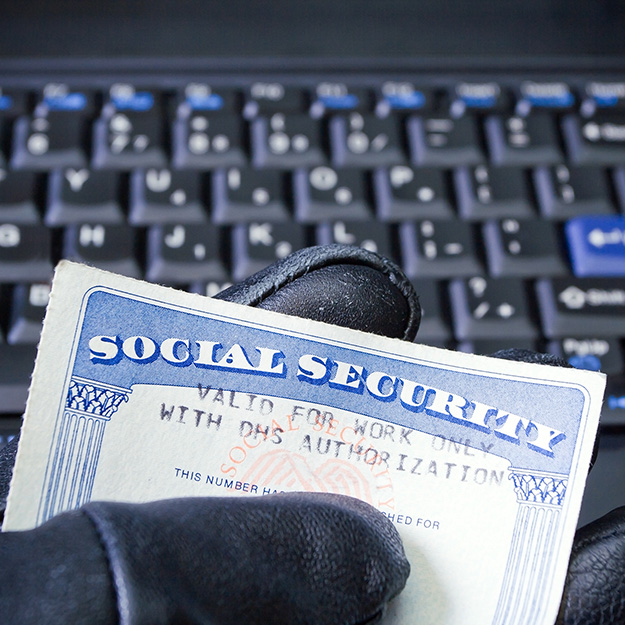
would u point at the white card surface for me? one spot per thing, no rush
(142, 392)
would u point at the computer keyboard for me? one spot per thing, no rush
(502, 197)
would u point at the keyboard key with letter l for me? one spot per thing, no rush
(569, 307)
(597, 245)
(368, 235)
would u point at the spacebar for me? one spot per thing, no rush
(16, 366)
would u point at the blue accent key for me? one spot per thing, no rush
(412, 100)
(6, 102)
(139, 101)
(340, 102)
(208, 102)
(69, 102)
(596, 246)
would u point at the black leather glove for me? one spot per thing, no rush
(297, 559)
(354, 288)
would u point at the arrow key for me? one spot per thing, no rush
(597, 245)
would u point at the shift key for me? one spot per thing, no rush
(573, 306)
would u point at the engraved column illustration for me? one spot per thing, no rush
(76, 445)
(540, 496)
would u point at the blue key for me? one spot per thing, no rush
(597, 245)
(67, 102)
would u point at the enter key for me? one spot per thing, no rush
(596, 245)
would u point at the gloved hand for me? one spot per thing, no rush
(354, 288)
(297, 559)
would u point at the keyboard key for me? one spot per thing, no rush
(444, 141)
(489, 308)
(610, 95)
(109, 247)
(243, 195)
(204, 141)
(267, 98)
(198, 96)
(17, 201)
(599, 140)
(523, 141)
(15, 379)
(53, 140)
(570, 306)
(402, 96)
(12, 104)
(368, 235)
(438, 249)
(565, 192)
(603, 354)
(337, 96)
(478, 96)
(182, 254)
(55, 135)
(596, 245)
(613, 411)
(365, 141)
(485, 192)
(487, 347)
(28, 308)
(83, 196)
(325, 193)
(160, 196)
(434, 327)
(287, 141)
(555, 96)
(24, 253)
(129, 133)
(411, 193)
(523, 248)
(258, 245)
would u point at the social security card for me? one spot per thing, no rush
(141, 392)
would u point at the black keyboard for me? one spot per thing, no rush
(502, 197)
